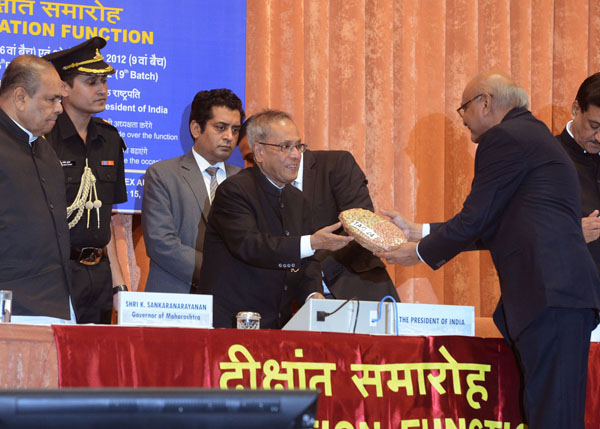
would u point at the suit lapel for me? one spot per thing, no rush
(193, 176)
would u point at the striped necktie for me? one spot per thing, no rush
(212, 172)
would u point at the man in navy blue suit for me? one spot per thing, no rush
(524, 207)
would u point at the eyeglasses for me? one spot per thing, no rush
(288, 147)
(461, 110)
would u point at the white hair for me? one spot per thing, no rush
(258, 128)
(505, 93)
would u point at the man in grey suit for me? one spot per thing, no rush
(178, 193)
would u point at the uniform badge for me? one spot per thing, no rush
(68, 163)
(107, 163)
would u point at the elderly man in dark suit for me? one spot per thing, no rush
(178, 192)
(331, 182)
(258, 248)
(524, 206)
(34, 235)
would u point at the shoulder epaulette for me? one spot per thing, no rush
(104, 122)
(107, 124)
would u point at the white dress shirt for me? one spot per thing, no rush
(203, 164)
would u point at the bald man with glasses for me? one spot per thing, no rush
(524, 208)
(259, 245)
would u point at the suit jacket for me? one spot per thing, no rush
(524, 206)
(252, 251)
(588, 170)
(333, 182)
(34, 235)
(175, 209)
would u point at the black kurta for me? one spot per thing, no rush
(252, 251)
(34, 237)
(588, 169)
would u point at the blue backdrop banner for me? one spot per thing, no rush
(164, 52)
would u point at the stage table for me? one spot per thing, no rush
(365, 381)
(27, 357)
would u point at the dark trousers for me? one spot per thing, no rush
(92, 292)
(553, 354)
(371, 285)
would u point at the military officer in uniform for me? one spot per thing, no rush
(91, 153)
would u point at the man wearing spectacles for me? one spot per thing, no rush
(463, 107)
(581, 140)
(178, 193)
(524, 207)
(259, 245)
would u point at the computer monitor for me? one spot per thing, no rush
(114, 408)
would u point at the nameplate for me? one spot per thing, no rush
(325, 315)
(431, 320)
(165, 309)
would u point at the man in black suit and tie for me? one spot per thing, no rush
(331, 182)
(258, 248)
(177, 192)
(524, 206)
